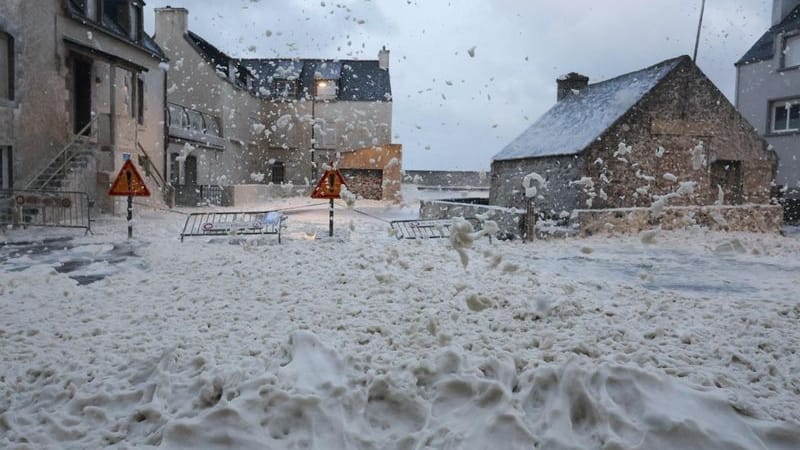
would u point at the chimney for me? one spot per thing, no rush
(383, 58)
(171, 22)
(570, 82)
(781, 9)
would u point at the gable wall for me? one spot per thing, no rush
(683, 110)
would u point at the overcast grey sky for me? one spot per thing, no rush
(455, 111)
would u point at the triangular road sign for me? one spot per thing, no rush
(129, 182)
(330, 185)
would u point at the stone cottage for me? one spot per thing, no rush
(663, 135)
(319, 110)
(87, 87)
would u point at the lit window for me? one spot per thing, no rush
(6, 66)
(326, 89)
(791, 51)
(786, 116)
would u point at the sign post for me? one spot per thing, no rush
(129, 183)
(329, 186)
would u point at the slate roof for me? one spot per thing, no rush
(764, 48)
(218, 58)
(358, 80)
(580, 118)
(114, 28)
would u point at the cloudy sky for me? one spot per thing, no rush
(453, 110)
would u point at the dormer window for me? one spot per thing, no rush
(135, 28)
(127, 14)
(89, 8)
(326, 89)
(790, 53)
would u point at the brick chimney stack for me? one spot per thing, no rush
(570, 82)
(383, 58)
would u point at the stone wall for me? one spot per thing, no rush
(508, 219)
(255, 194)
(447, 178)
(753, 218)
(385, 158)
(366, 183)
(559, 195)
(662, 131)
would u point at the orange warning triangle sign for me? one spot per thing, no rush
(330, 185)
(129, 182)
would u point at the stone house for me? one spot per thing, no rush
(273, 120)
(663, 134)
(89, 87)
(349, 103)
(216, 138)
(768, 95)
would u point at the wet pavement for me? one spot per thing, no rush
(85, 263)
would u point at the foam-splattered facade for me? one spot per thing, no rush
(662, 132)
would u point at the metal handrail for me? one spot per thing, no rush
(63, 153)
(160, 178)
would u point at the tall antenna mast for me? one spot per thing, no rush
(699, 26)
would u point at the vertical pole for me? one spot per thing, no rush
(530, 222)
(130, 216)
(699, 26)
(130, 204)
(330, 217)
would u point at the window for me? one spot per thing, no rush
(6, 66)
(786, 116)
(135, 26)
(278, 172)
(174, 169)
(140, 99)
(326, 89)
(90, 8)
(284, 88)
(727, 175)
(195, 120)
(177, 116)
(325, 134)
(791, 51)
(6, 174)
(128, 15)
(212, 125)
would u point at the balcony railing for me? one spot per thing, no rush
(191, 124)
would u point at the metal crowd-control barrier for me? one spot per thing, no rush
(233, 223)
(45, 208)
(427, 228)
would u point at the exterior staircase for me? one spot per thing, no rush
(72, 169)
(69, 171)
